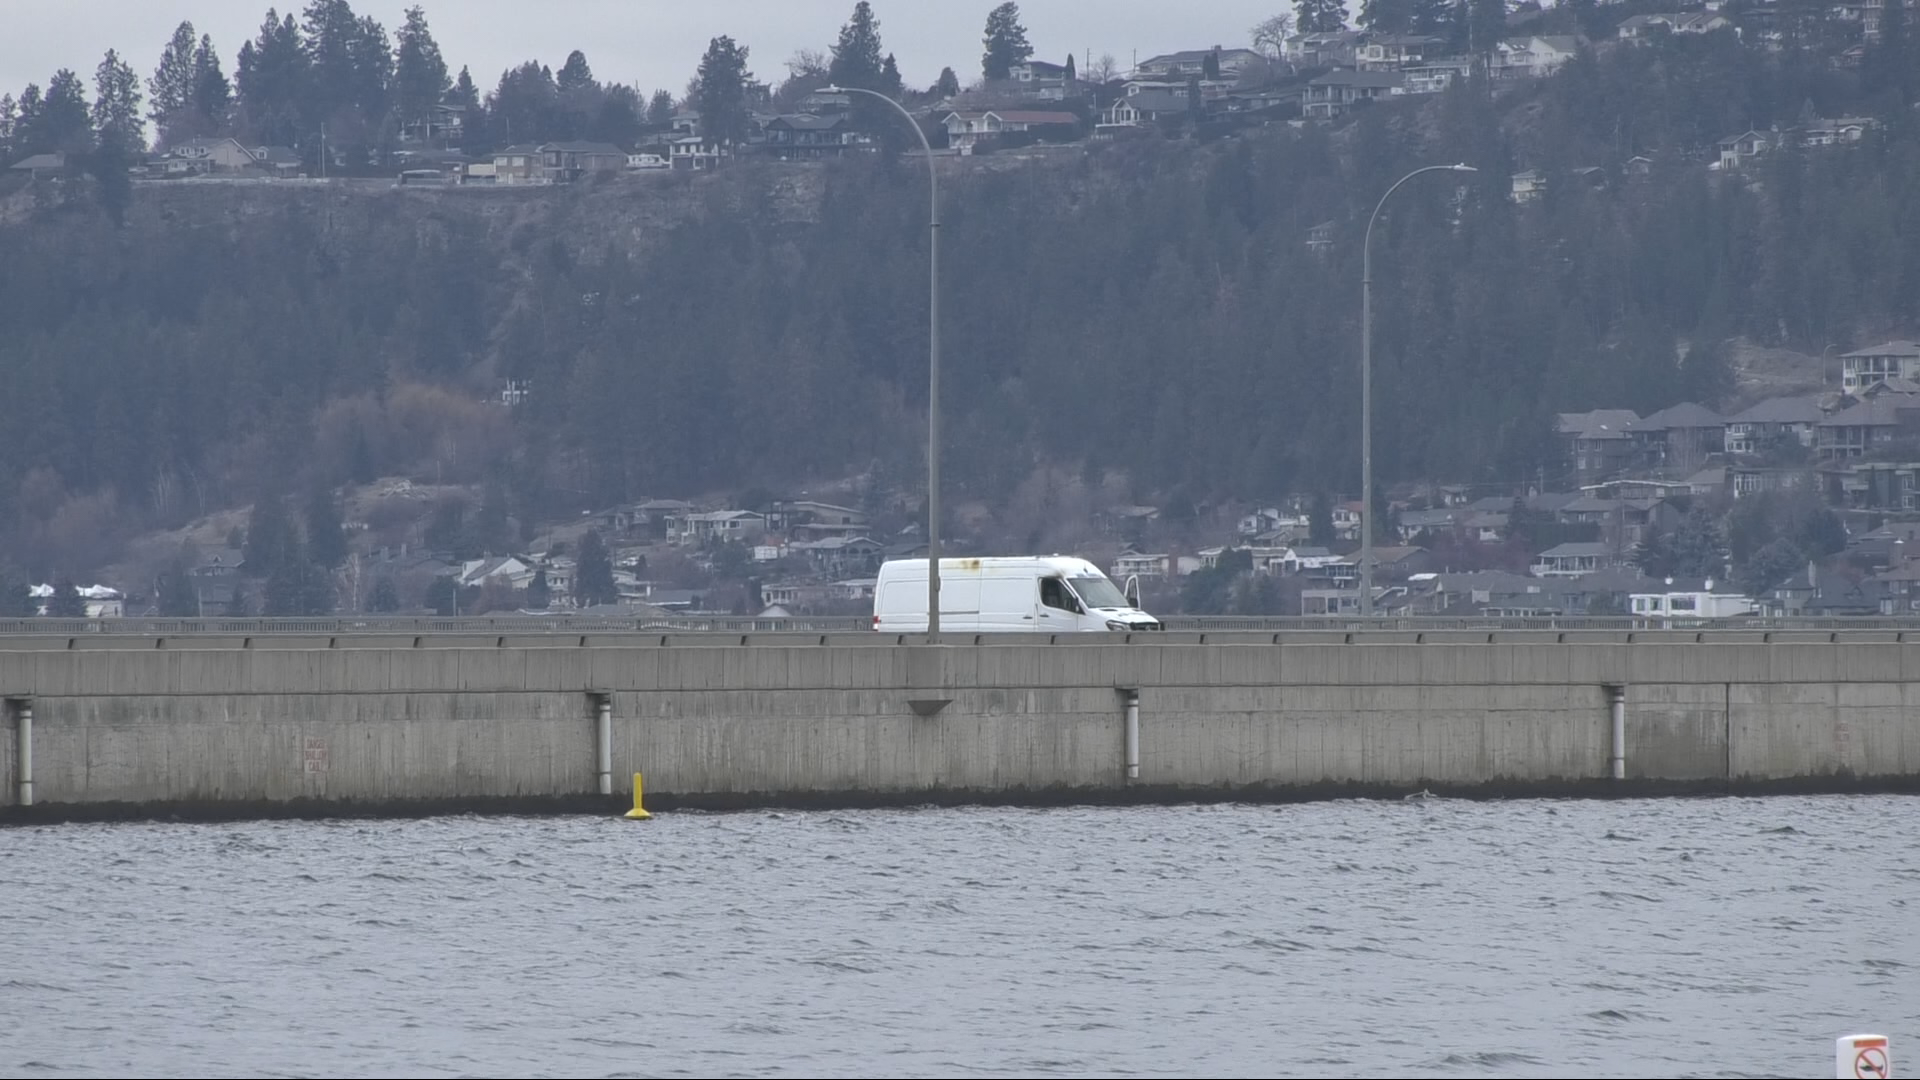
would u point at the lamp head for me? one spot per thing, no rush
(1463, 167)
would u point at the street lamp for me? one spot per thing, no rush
(1366, 386)
(933, 361)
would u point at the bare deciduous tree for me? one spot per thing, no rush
(1270, 35)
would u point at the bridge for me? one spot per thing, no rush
(349, 714)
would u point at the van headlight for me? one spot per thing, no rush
(1116, 624)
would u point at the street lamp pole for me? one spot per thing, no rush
(1366, 386)
(933, 360)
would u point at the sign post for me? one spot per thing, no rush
(1862, 1057)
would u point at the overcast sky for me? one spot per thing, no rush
(654, 43)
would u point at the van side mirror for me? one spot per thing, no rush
(1133, 591)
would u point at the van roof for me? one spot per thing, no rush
(1058, 564)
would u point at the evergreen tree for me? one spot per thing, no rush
(593, 576)
(1487, 25)
(64, 122)
(9, 121)
(660, 109)
(1387, 16)
(856, 56)
(496, 532)
(1069, 74)
(1699, 550)
(26, 123)
(212, 93)
(1006, 42)
(948, 84)
(1433, 18)
(575, 76)
(170, 92)
(443, 596)
(116, 105)
(464, 93)
(419, 72)
(326, 534)
(385, 599)
(271, 541)
(16, 599)
(1320, 520)
(1319, 16)
(539, 592)
(66, 602)
(176, 594)
(1209, 66)
(271, 78)
(890, 81)
(1769, 566)
(721, 98)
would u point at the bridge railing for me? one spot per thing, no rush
(586, 623)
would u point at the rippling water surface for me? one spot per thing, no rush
(1725, 937)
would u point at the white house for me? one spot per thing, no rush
(103, 602)
(1701, 602)
(1535, 56)
(965, 128)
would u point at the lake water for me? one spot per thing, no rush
(1713, 937)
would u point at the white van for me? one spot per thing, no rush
(1020, 595)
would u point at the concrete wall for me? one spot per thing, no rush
(204, 721)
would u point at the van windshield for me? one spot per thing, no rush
(1098, 592)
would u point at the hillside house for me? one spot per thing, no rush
(1679, 436)
(1529, 185)
(1133, 564)
(1772, 422)
(696, 153)
(1434, 76)
(572, 162)
(1597, 443)
(41, 166)
(719, 526)
(1692, 600)
(212, 155)
(966, 128)
(1574, 559)
(1390, 52)
(1863, 368)
(1335, 48)
(803, 137)
(1868, 426)
(519, 164)
(1337, 92)
(1143, 109)
(1737, 150)
(1192, 62)
(1533, 57)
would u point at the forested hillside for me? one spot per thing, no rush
(1149, 306)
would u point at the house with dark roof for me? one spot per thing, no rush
(1188, 62)
(805, 137)
(1597, 443)
(40, 166)
(1335, 93)
(1868, 426)
(1766, 423)
(1144, 109)
(1679, 436)
(571, 162)
(966, 128)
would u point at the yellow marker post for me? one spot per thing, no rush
(638, 813)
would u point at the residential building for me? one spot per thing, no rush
(965, 129)
(1646, 27)
(1133, 564)
(1534, 57)
(1143, 109)
(442, 125)
(1529, 185)
(222, 154)
(640, 161)
(1773, 422)
(277, 160)
(1191, 62)
(1692, 600)
(571, 162)
(41, 166)
(1336, 48)
(1395, 563)
(1746, 479)
(1033, 71)
(1433, 76)
(741, 526)
(804, 137)
(1335, 93)
(1679, 436)
(1320, 237)
(1842, 131)
(519, 164)
(1597, 443)
(1872, 485)
(1737, 150)
(102, 601)
(840, 554)
(1390, 52)
(1574, 559)
(1868, 426)
(1889, 360)
(697, 153)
